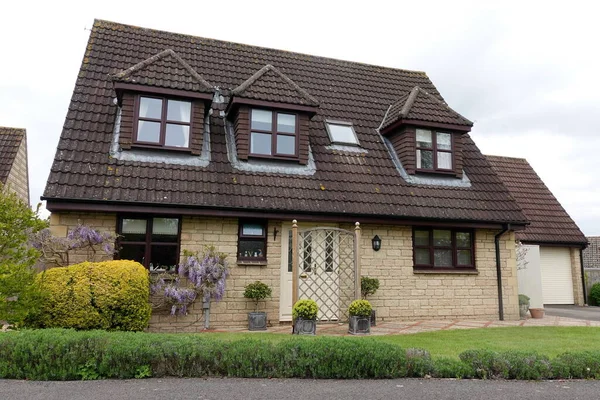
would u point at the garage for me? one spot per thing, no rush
(557, 279)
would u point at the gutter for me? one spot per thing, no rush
(583, 276)
(505, 229)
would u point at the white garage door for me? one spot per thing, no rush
(557, 281)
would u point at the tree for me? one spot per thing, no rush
(18, 223)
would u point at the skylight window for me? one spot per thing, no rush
(341, 132)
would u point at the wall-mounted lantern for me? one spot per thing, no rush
(376, 242)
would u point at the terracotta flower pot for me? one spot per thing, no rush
(537, 312)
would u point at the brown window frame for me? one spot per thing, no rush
(434, 149)
(274, 134)
(253, 238)
(453, 247)
(148, 241)
(163, 123)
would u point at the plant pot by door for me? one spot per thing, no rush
(358, 325)
(523, 308)
(305, 326)
(257, 321)
(537, 312)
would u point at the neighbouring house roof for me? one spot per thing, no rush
(591, 254)
(549, 222)
(10, 140)
(345, 182)
(418, 105)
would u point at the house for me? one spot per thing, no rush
(591, 254)
(175, 142)
(13, 161)
(550, 267)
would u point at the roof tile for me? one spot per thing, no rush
(10, 140)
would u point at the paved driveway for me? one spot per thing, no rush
(587, 313)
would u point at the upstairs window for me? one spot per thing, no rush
(341, 132)
(163, 122)
(434, 151)
(443, 248)
(273, 134)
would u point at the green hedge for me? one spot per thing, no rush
(57, 354)
(111, 295)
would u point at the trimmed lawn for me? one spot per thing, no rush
(547, 340)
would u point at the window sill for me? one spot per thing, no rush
(245, 263)
(440, 271)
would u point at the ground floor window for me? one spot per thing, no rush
(252, 240)
(153, 241)
(443, 248)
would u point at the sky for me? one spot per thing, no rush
(526, 72)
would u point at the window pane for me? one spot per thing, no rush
(163, 258)
(424, 159)
(442, 238)
(177, 135)
(148, 131)
(464, 257)
(444, 141)
(422, 257)
(421, 238)
(165, 229)
(260, 143)
(179, 110)
(290, 254)
(463, 239)
(251, 249)
(444, 160)
(442, 258)
(262, 120)
(150, 108)
(286, 144)
(253, 230)
(424, 138)
(286, 123)
(133, 252)
(342, 133)
(133, 230)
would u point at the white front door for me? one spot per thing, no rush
(285, 298)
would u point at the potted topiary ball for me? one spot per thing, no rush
(523, 306)
(360, 317)
(304, 314)
(257, 291)
(368, 287)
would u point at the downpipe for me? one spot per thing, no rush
(505, 229)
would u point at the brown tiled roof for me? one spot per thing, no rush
(419, 105)
(591, 254)
(270, 84)
(347, 183)
(164, 69)
(10, 140)
(550, 223)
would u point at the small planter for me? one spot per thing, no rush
(305, 326)
(257, 321)
(523, 308)
(373, 318)
(537, 313)
(359, 325)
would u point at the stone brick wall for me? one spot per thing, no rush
(18, 177)
(576, 273)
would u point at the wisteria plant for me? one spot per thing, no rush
(200, 276)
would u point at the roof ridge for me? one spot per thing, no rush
(261, 72)
(506, 157)
(103, 21)
(11, 130)
(159, 56)
(412, 96)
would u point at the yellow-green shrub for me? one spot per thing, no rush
(103, 295)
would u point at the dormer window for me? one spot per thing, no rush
(273, 134)
(163, 122)
(434, 150)
(341, 132)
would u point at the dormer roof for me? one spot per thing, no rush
(10, 141)
(420, 106)
(165, 70)
(271, 85)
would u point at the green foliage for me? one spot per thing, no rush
(305, 309)
(360, 308)
(257, 291)
(105, 295)
(594, 296)
(508, 365)
(18, 295)
(523, 300)
(368, 286)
